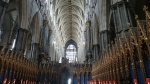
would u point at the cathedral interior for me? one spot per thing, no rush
(74, 41)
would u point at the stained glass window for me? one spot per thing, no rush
(71, 53)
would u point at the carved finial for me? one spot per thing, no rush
(131, 31)
(145, 8)
(136, 17)
(129, 26)
(124, 34)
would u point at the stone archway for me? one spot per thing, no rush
(71, 46)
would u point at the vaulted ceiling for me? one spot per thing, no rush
(70, 18)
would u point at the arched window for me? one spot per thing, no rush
(71, 53)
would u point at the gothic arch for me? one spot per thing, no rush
(71, 42)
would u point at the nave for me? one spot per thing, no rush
(74, 42)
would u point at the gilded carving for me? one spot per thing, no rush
(122, 52)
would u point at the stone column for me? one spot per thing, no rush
(89, 36)
(104, 40)
(95, 51)
(95, 38)
(21, 40)
(121, 17)
(88, 40)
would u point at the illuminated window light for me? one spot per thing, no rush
(69, 81)
(83, 42)
(60, 60)
(13, 44)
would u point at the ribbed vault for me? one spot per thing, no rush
(69, 18)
